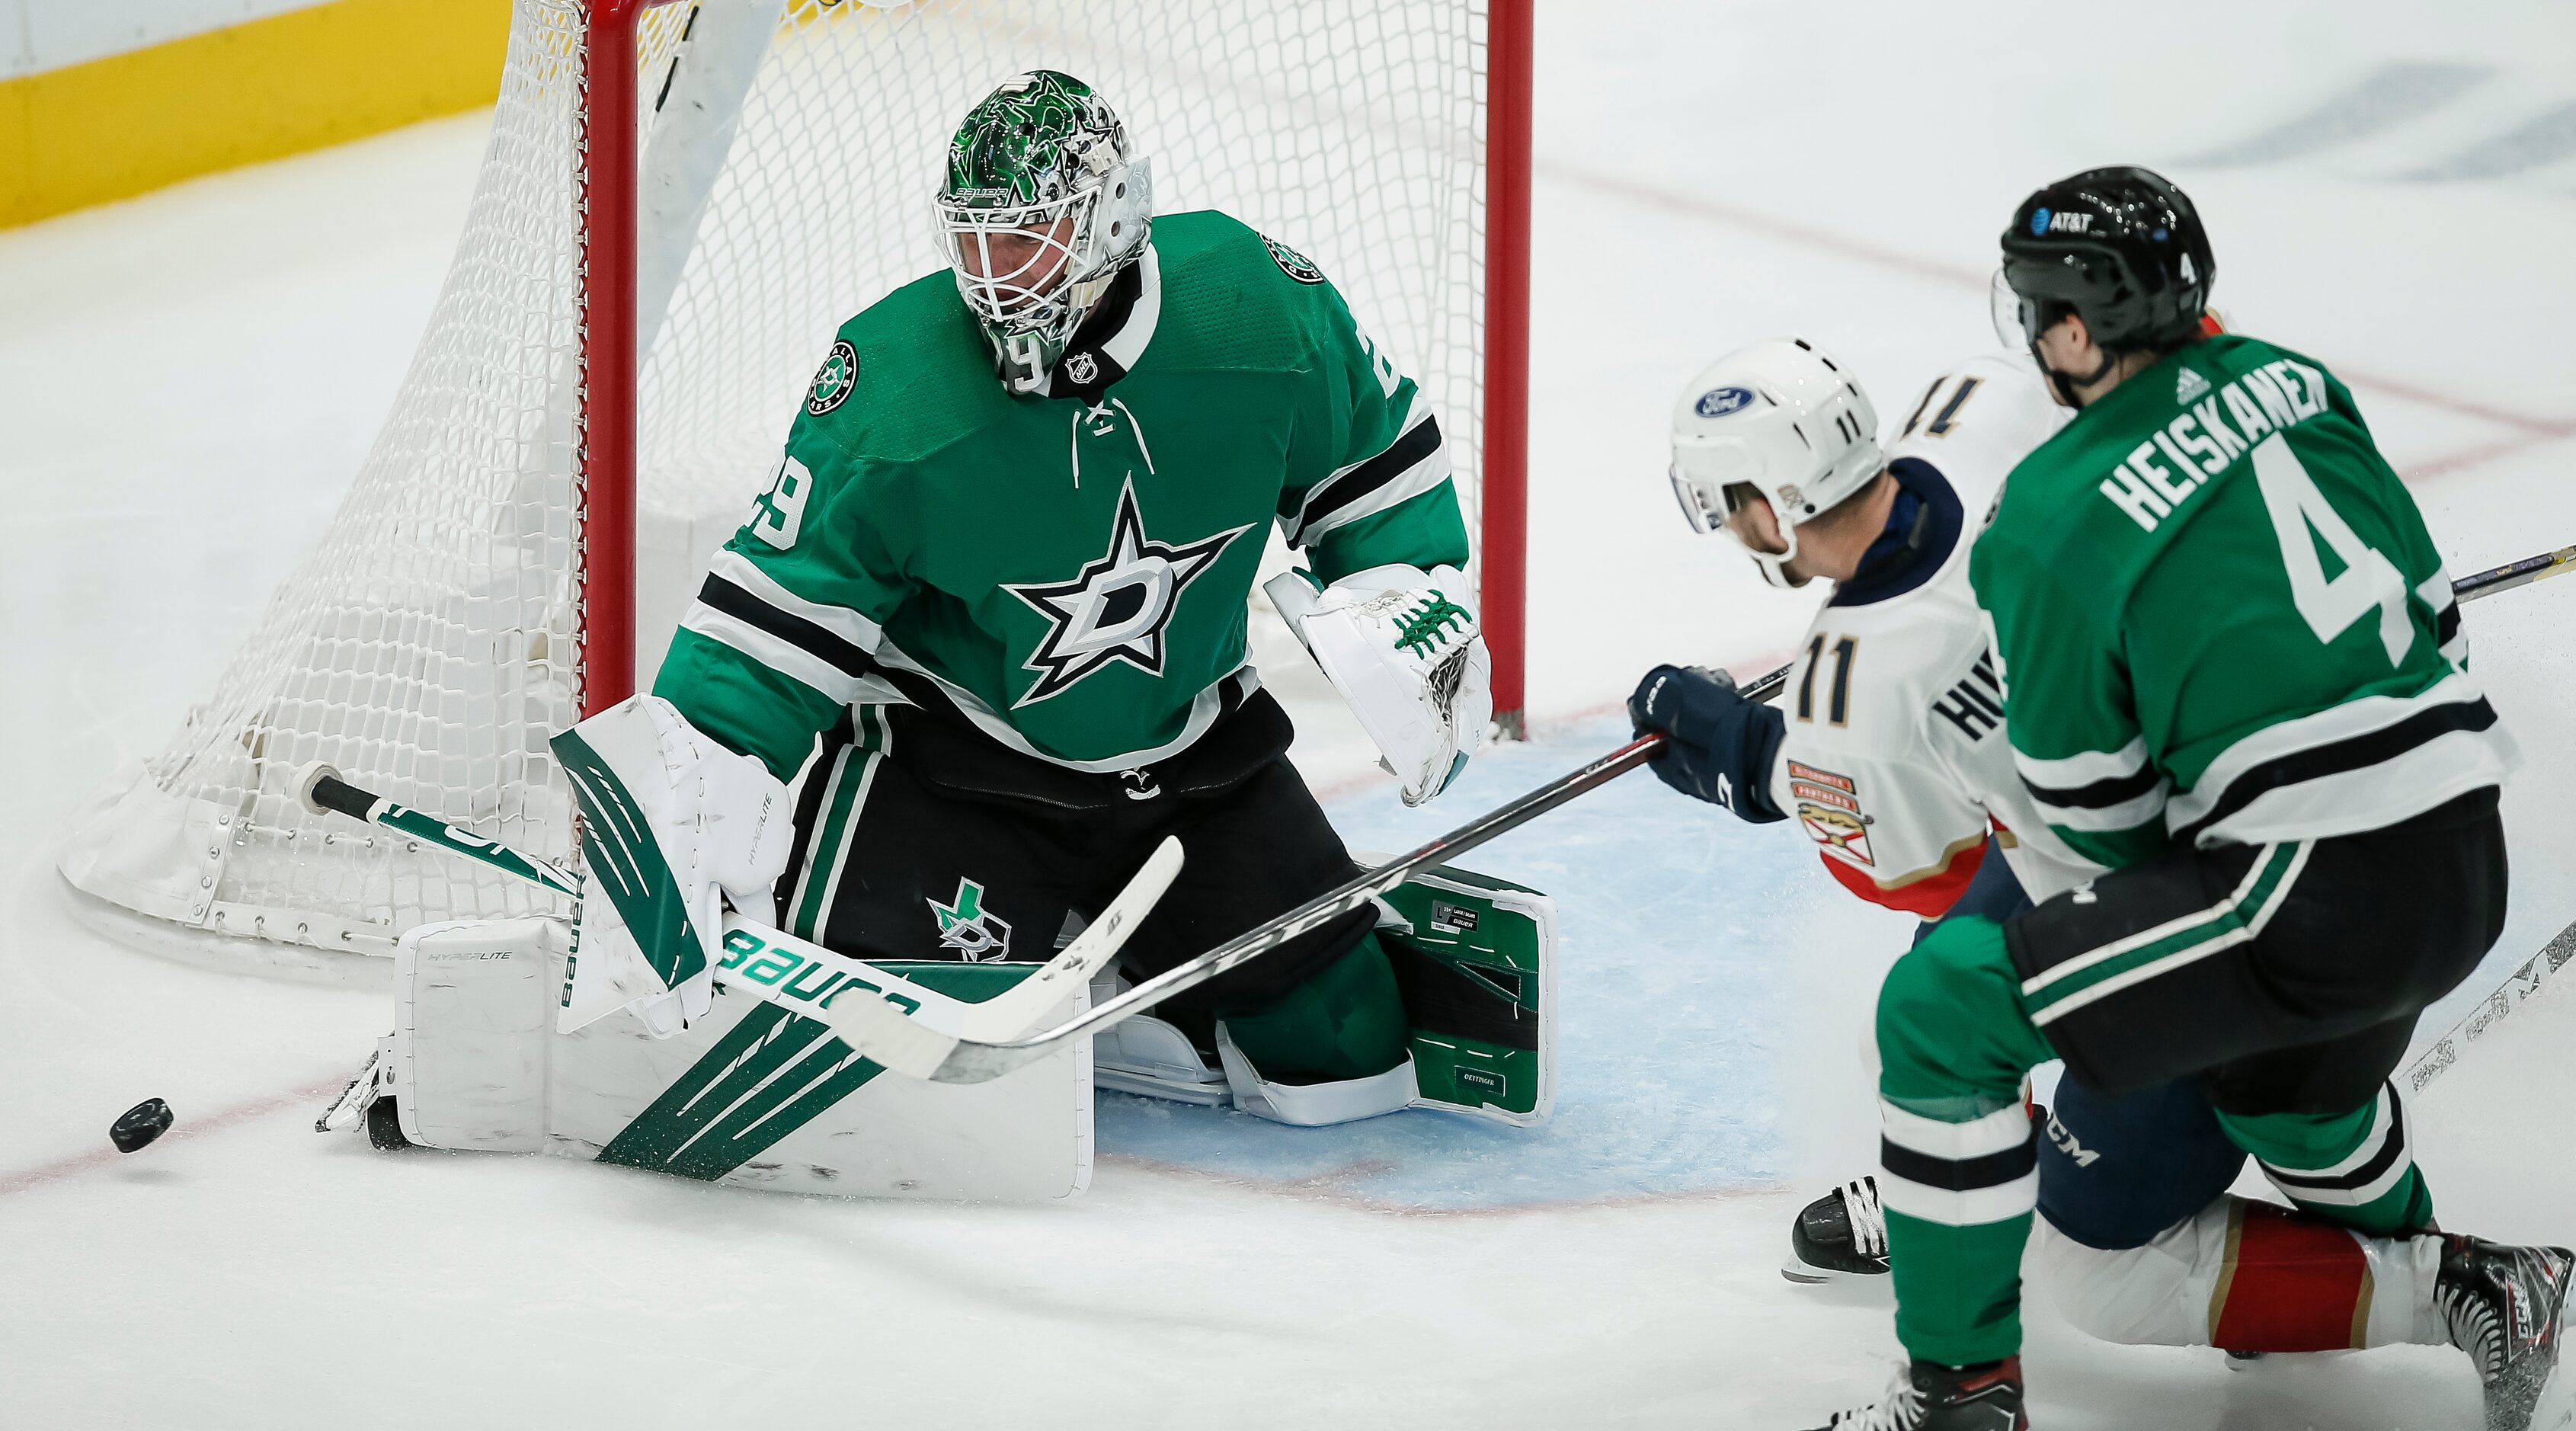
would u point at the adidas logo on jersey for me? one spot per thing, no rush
(2190, 387)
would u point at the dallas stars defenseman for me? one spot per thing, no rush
(1002, 571)
(1891, 753)
(2236, 685)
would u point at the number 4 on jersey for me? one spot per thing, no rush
(2368, 579)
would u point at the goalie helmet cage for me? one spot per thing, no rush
(679, 203)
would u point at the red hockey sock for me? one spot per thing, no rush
(2291, 1283)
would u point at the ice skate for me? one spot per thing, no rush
(1928, 1396)
(1839, 1236)
(2507, 1307)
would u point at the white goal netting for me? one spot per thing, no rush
(789, 151)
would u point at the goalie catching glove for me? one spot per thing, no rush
(1403, 648)
(671, 822)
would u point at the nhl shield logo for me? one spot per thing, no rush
(832, 383)
(1082, 368)
(978, 935)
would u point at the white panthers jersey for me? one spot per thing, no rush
(1895, 761)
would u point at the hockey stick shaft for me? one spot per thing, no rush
(321, 788)
(777, 966)
(973, 1061)
(2519, 987)
(970, 1060)
(2513, 574)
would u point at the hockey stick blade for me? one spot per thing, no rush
(881, 1032)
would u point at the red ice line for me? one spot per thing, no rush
(186, 1128)
(2534, 429)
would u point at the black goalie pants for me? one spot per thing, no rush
(894, 862)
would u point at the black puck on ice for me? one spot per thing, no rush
(139, 1125)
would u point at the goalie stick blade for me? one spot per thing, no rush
(903, 1044)
(879, 1031)
(1017, 1010)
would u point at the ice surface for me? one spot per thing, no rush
(187, 380)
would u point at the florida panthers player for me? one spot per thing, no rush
(1888, 751)
(1001, 573)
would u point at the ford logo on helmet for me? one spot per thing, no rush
(2038, 221)
(1718, 402)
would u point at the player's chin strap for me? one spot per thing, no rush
(2066, 384)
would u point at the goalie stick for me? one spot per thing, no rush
(777, 966)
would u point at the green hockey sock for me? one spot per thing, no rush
(1958, 1164)
(2355, 1168)
(1345, 1021)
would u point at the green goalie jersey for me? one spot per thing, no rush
(2221, 619)
(1064, 573)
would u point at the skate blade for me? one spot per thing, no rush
(2555, 1408)
(1809, 1275)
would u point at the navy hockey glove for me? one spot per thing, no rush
(1718, 746)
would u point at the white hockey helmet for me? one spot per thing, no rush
(1779, 422)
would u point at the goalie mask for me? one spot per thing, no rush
(1778, 423)
(1041, 209)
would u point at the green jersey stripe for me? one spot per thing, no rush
(776, 652)
(2362, 765)
(2088, 767)
(1414, 463)
(2149, 953)
(841, 621)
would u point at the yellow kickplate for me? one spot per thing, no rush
(130, 123)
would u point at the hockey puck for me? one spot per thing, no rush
(139, 1125)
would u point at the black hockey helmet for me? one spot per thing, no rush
(2121, 248)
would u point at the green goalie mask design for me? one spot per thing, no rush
(1041, 209)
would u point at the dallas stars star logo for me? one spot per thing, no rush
(972, 930)
(1117, 606)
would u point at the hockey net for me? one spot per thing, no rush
(786, 153)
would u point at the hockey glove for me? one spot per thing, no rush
(1718, 746)
(1401, 645)
(671, 822)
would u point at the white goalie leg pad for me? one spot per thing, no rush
(473, 1028)
(1145, 1055)
(1402, 646)
(752, 1096)
(748, 1095)
(1313, 1105)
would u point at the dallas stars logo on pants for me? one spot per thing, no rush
(969, 929)
(1117, 606)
